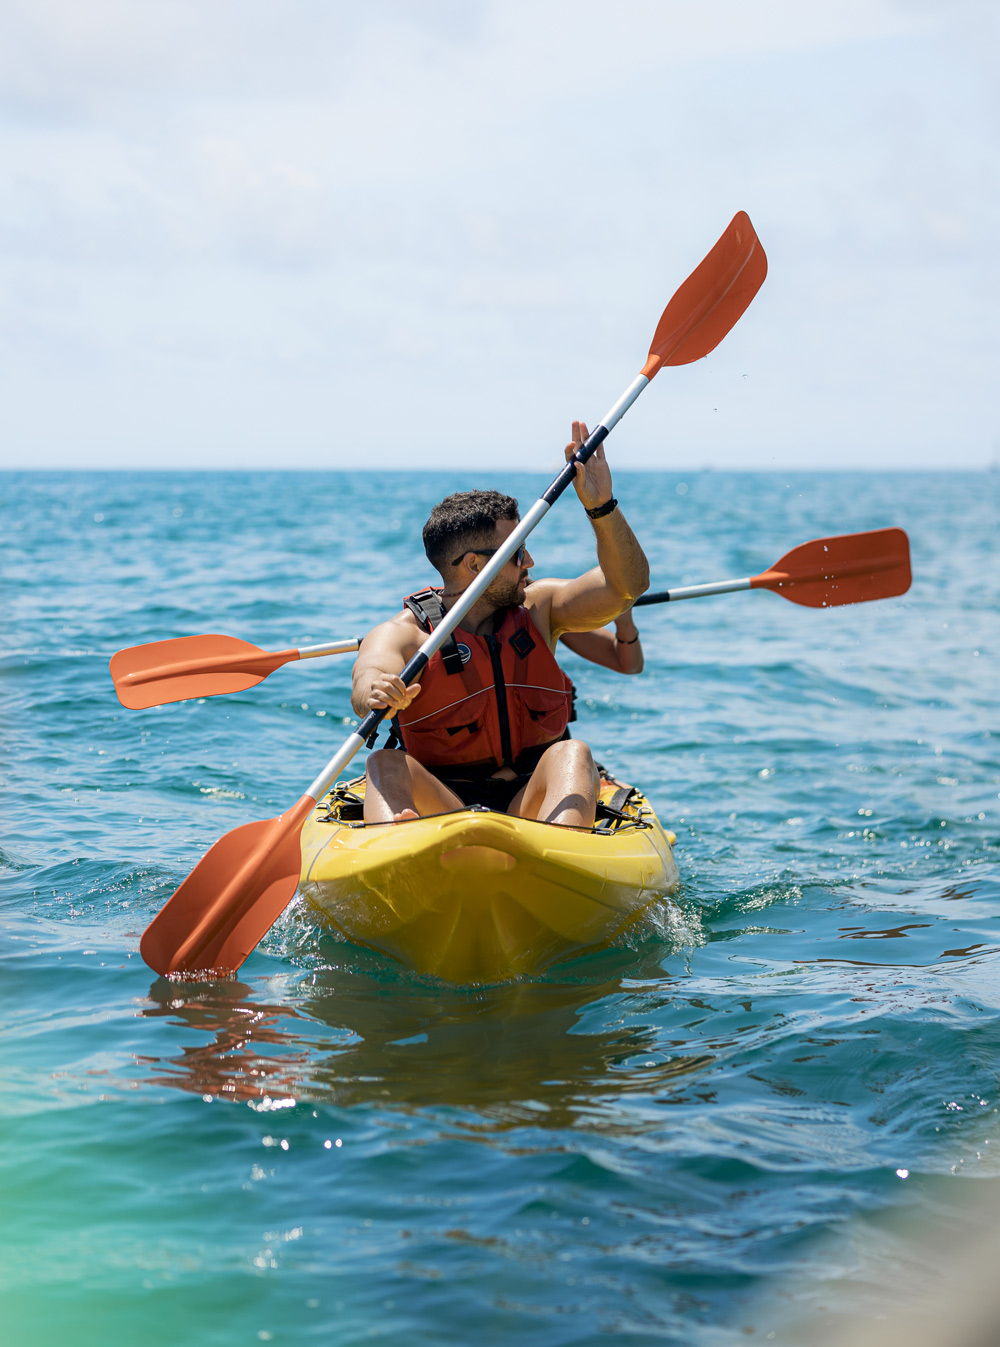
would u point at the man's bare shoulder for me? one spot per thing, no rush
(539, 598)
(402, 632)
(538, 601)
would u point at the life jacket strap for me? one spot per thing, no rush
(395, 739)
(427, 607)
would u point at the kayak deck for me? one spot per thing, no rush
(476, 896)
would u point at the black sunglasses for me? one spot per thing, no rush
(518, 556)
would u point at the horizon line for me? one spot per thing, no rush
(951, 470)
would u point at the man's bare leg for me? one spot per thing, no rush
(563, 787)
(400, 789)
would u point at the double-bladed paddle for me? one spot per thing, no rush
(202, 666)
(824, 573)
(243, 883)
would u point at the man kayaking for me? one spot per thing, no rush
(487, 722)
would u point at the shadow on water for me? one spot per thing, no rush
(510, 1056)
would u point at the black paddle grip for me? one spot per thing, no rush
(584, 452)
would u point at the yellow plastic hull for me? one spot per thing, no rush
(473, 896)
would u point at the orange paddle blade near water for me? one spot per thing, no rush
(191, 666)
(850, 568)
(231, 899)
(711, 300)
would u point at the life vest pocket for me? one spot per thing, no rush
(540, 714)
(454, 734)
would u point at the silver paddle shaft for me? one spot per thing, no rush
(693, 592)
(331, 648)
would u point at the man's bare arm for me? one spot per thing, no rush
(622, 571)
(619, 650)
(596, 598)
(381, 658)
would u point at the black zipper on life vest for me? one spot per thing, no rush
(493, 643)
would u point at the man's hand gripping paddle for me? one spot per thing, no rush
(824, 573)
(241, 886)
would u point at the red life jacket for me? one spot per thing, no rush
(503, 697)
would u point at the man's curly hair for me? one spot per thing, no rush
(464, 521)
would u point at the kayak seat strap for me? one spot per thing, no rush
(612, 812)
(620, 799)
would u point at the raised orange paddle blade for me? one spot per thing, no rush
(711, 300)
(231, 899)
(850, 568)
(190, 666)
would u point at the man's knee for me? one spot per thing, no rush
(571, 755)
(386, 762)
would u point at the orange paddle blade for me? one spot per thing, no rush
(230, 900)
(712, 299)
(850, 568)
(190, 666)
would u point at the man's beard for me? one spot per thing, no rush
(504, 593)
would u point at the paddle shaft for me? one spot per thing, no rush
(475, 591)
(692, 592)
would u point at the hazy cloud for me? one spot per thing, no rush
(222, 221)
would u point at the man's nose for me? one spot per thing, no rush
(528, 561)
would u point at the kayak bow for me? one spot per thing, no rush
(475, 896)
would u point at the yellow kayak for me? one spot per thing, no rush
(477, 896)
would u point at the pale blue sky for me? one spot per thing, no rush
(303, 233)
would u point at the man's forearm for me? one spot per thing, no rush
(361, 688)
(620, 557)
(360, 692)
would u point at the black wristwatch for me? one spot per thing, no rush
(599, 511)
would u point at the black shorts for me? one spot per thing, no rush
(493, 792)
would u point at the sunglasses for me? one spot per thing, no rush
(517, 558)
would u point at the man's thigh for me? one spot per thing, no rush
(430, 796)
(567, 763)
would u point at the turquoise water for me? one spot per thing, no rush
(706, 1131)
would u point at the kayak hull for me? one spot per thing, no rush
(475, 896)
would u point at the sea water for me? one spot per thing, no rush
(732, 1119)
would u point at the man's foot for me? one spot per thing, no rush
(405, 815)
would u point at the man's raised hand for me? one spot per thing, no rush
(593, 478)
